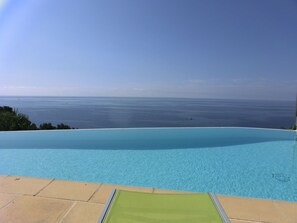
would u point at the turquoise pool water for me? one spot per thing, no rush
(233, 161)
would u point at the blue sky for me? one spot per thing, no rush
(151, 48)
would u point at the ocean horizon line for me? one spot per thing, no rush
(145, 97)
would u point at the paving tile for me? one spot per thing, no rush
(2, 177)
(6, 198)
(288, 209)
(164, 191)
(103, 193)
(244, 221)
(23, 185)
(84, 212)
(34, 209)
(251, 209)
(71, 190)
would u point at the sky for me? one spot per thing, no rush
(149, 48)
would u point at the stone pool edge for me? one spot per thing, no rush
(30, 199)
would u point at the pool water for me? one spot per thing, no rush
(233, 161)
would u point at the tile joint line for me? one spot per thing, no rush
(95, 192)
(43, 187)
(10, 202)
(67, 212)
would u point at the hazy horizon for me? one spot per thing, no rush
(148, 97)
(136, 48)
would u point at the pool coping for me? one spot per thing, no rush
(63, 201)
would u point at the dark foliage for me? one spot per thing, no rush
(11, 119)
(46, 126)
(63, 126)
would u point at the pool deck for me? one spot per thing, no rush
(28, 199)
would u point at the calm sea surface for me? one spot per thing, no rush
(110, 112)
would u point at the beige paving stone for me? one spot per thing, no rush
(84, 212)
(6, 198)
(164, 191)
(71, 190)
(34, 209)
(23, 185)
(252, 209)
(288, 209)
(2, 177)
(103, 193)
(244, 221)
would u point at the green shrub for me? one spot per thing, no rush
(11, 119)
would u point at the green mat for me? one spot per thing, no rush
(136, 207)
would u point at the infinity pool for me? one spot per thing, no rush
(232, 161)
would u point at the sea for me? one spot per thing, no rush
(135, 112)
